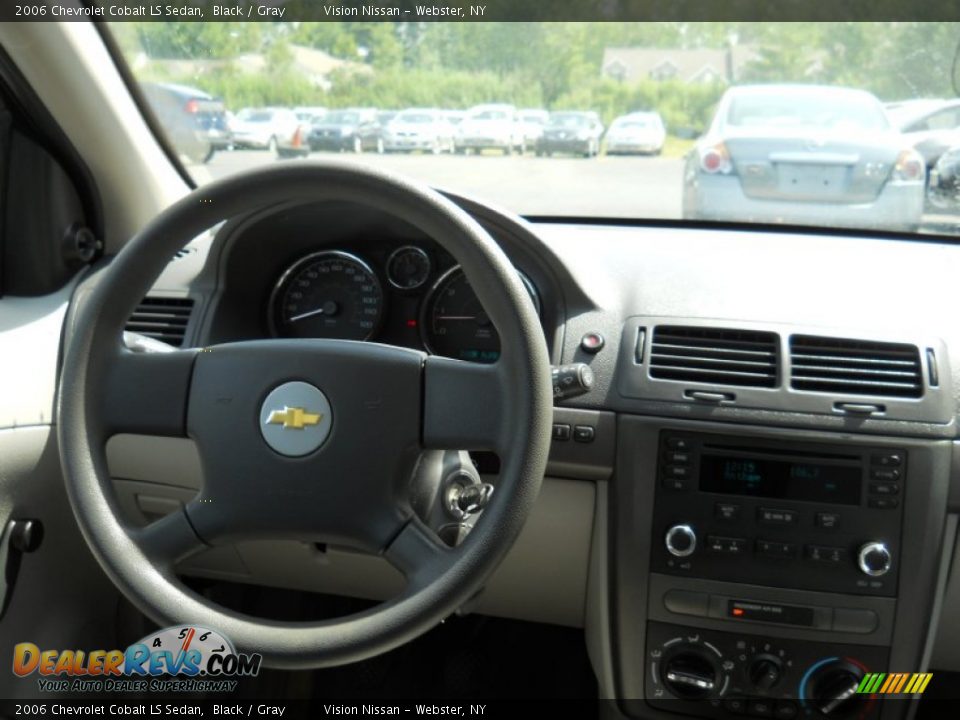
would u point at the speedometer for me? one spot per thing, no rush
(330, 294)
(454, 323)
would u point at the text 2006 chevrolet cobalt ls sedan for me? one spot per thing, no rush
(803, 154)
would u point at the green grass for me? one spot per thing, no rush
(675, 147)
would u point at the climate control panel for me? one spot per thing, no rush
(719, 674)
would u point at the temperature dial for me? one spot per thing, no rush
(690, 675)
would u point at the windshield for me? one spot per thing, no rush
(768, 123)
(635, 123)
(568, 121)
(791, 109)
(342, 118)
(414, 118)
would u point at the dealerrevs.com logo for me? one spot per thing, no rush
(176, 659)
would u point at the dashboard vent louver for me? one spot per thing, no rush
(855, 367)
(714, 355)
(163, 319)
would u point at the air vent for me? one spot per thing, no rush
(855, 367)
(161, 318)
(714, 355)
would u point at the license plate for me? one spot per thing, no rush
(821, 180)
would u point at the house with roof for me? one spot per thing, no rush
(696, 65)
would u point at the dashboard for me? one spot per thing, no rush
(755, 502)
(340, 272)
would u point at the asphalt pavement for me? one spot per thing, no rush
(645, 187)
(631, 186)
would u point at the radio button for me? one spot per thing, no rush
(776, 549)
(827, 520)
(771, 516)
(885, 488)
(727, 511)
(731, 546)
(678, 458)
(887, 460)
(826, 554)
(883, 503)
(885, 474)
(682, 484)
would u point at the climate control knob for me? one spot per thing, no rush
(680, 540)
(691, 674)
(765, 672)
(832, 690)
(874, 559)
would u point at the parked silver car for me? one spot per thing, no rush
(419, 129)
(490, 126)
(931, 126)
(804, 154)
(639, 132)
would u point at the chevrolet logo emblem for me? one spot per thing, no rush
(293, 418)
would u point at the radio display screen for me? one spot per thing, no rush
(785, 479)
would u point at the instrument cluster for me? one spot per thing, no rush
(415, 297)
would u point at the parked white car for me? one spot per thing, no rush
(275, 129)
(533, 123)
(419, 129)
(639, 132)
(491, 126)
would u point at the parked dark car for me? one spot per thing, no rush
(943, 187)
(353, 129)
(195, 121)
(572, 132)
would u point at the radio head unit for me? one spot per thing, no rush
(814, 516)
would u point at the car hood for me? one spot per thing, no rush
(496, 127)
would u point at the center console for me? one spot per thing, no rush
(765, 572)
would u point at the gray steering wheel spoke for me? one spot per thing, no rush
(147, 393)
(169, 539)
(418, 553)
(464, 405)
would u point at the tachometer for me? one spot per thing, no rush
(454, 323)
(329, 294)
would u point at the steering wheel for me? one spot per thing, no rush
(308, 439)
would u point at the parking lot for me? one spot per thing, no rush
(639, 187)
(603, 187)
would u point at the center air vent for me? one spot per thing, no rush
(163, 319)
(855, 367)
(716, 356)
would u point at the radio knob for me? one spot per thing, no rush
(874, 559)
(681, 540)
